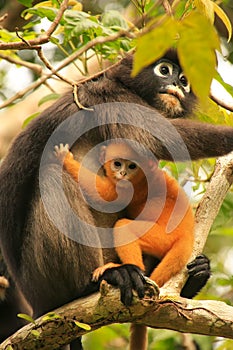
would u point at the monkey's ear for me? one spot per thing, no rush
(102, 154)
(153, 164)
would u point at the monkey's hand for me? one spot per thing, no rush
(97, 273)
(199, 273)
(127, 278)
(62, 152)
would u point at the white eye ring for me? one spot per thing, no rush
(163, 69)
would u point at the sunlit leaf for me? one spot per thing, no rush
(28, 318)
(196, 50)
(221, 14)
(206, 7)
(51, 316)
(35, 333)
(83, 325)
(154, 44)
(226, 86)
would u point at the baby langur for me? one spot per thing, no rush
(157, 203)
(158, 219)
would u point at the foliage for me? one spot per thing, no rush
(188, 26)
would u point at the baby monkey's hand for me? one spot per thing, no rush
(62, 151)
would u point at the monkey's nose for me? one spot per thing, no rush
(123, 173)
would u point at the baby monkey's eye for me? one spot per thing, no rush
(117, 163)
(132, 166)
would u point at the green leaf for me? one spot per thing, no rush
(77, 23)
(114, 19)
(51, 316)
(26, 3)
(221, 14)
(207, 8)
(28, 318)
(30, 118)
(154, 44)
(42, 12)
(226, 86)
(196, 50)
(47, 98)
(83, 325)
(35, 333)
(9, 347)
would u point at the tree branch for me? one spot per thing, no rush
(61, 327)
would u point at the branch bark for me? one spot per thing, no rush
(50, 332)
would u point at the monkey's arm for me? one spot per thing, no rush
(93, 184)
(203, 140)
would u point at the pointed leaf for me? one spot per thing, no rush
(221, 14)
(196, 50)
(26, 317)
(83, 325)
(154, 44)
(207, 8)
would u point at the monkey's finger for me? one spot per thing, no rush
(120, 278)
(137, 279)
(199, 264)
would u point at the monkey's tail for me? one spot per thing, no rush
(138, 337)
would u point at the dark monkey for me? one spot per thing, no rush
(32, 245)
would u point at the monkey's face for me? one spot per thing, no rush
(168, 90)
(173, 88)
(122, 171)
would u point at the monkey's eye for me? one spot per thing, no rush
(184, 82)
(132, 166)
(117, 164)
(163, 69)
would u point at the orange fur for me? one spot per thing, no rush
(172, 248)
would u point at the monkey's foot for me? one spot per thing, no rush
(100, 270)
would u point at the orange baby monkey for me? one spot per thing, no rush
(158, 217)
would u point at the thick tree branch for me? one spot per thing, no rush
(49, 332)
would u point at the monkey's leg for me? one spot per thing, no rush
(129, 253)
(174, 260)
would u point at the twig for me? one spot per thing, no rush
(50, 67)
(34, 67)
(31, 44)
(64, 63)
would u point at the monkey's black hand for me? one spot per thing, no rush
(126, 277)
(199, 273)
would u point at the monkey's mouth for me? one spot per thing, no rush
(173, 94)
(174, 91)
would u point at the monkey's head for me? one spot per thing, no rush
(122, 164)
(162, 84)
